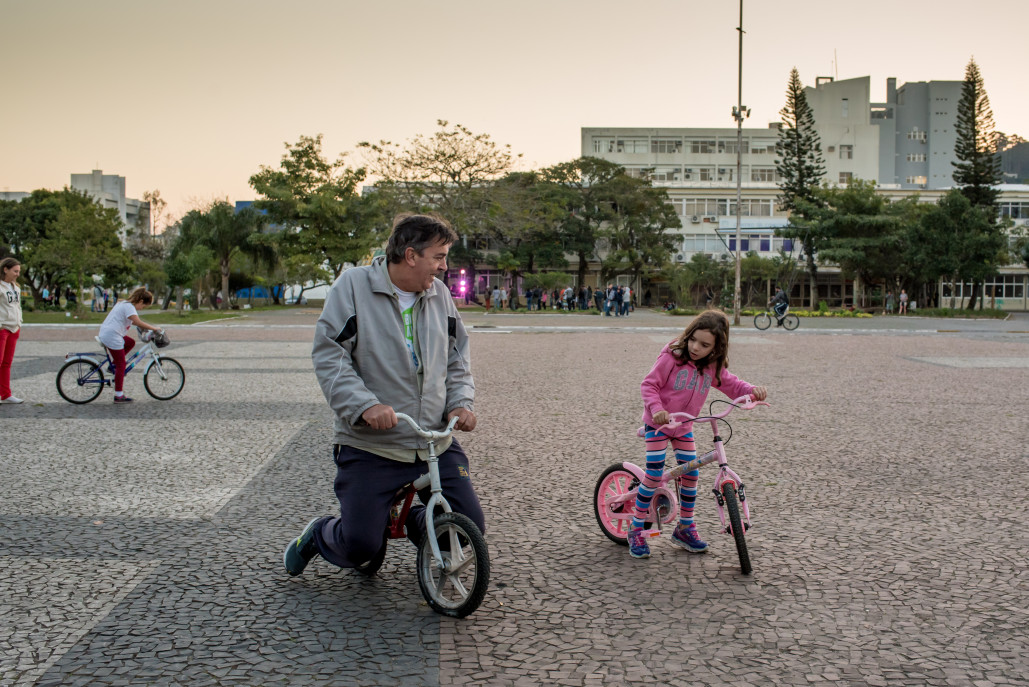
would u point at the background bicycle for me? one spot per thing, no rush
(764, 320)
(82, 378)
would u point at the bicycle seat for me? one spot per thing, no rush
(102, 345)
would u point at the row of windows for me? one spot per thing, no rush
(917, 180)
(917, 136)
(667, 173)
(675, 145)
(722, 207)
(706, 243)
(916, 157)
(1014, 210)
(1001, 286)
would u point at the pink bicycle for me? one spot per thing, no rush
(615, 493)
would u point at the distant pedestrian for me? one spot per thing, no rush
(889, 302)
(903, 310)
(10, 324)
(496, 298)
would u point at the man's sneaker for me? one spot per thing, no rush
(687, 538)
(300, 550)
(12, 399)
(122, 399)
(638, 547)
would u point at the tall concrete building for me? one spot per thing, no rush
(109, 191)
(850, 140)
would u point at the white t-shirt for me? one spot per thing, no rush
(116, 324)
(407, 300)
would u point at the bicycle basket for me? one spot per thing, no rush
(160, 339)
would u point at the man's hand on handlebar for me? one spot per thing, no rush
(380, 417)
(465, 419)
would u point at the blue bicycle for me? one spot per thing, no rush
(81, 379)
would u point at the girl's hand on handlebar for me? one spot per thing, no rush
(465, 419)
(380, 417)
(759, 393)
(661, 417)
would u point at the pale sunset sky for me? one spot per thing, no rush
(191, 97)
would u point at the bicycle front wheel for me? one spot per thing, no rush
(732, 507)
(791, 322)
(762, 321)
(164, 379)
(80, 381)
(456, 585)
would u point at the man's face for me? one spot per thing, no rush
(429, 265)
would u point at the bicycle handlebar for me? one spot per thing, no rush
(429, 435)
(746, 402)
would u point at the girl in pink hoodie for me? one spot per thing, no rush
(685, 371)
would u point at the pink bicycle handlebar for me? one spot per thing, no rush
(746, 402)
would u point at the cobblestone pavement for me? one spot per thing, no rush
(142, 544)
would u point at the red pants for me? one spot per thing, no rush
(119, 362)
(8, 340)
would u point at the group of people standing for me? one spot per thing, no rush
(902, 300)
(617, 301)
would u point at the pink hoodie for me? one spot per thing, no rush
(681, 389)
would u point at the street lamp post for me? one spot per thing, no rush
(739, 113)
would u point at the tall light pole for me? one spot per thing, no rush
(739, 113)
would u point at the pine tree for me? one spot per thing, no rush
(798, 152)
(799, 164)
(977, 171)
(978, 168)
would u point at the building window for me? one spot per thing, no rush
(702, 147)
(766, 244)
(920, 180)
(917, 135)
(916, 157)
(845, 107)
(603, 145)
(1014, 209)
(631, 145)
(846, 178)
(762, 174)
(707, 173)
(666, 145)
(846, 152)
(666, 174)
(762, 147)
(730, 147)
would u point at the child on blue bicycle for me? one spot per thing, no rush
(685, 371)
(113, 330)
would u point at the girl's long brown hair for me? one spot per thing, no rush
(141, 295)
(717, 323)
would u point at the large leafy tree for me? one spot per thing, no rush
(800, 167)
(638, 235)
(319, 204)
(27, 224)
(584, 187)
(226, 233)
(83, 241)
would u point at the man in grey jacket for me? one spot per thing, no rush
(390, 339)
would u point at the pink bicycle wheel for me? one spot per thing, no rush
(614, 512)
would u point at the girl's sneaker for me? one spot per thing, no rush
(638, 547)
(687, 538)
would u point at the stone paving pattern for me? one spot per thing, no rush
(142, 544)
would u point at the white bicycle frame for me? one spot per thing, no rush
(431, 479)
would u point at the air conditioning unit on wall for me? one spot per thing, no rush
(680, 258)
(695, 219)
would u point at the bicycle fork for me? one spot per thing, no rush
(727, 476)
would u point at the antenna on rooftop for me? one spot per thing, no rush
(835, 66)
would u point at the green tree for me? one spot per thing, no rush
(638, 235)
(26, 225)
(977, 170)
(226, 233)
(584, 187)
(799, 166)
(319, 203)
(441, 172)
(186, 265)
(82, 242)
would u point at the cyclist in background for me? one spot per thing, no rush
(780, 302)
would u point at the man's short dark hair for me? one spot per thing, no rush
(418, 232)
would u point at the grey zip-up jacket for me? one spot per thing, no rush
(361, 358)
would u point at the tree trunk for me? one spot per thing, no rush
(167, 298)
(179, 304)
(953, 291)
(225, 284)
(973, 297)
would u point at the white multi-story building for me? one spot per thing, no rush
(850, 141)
(109, 191)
